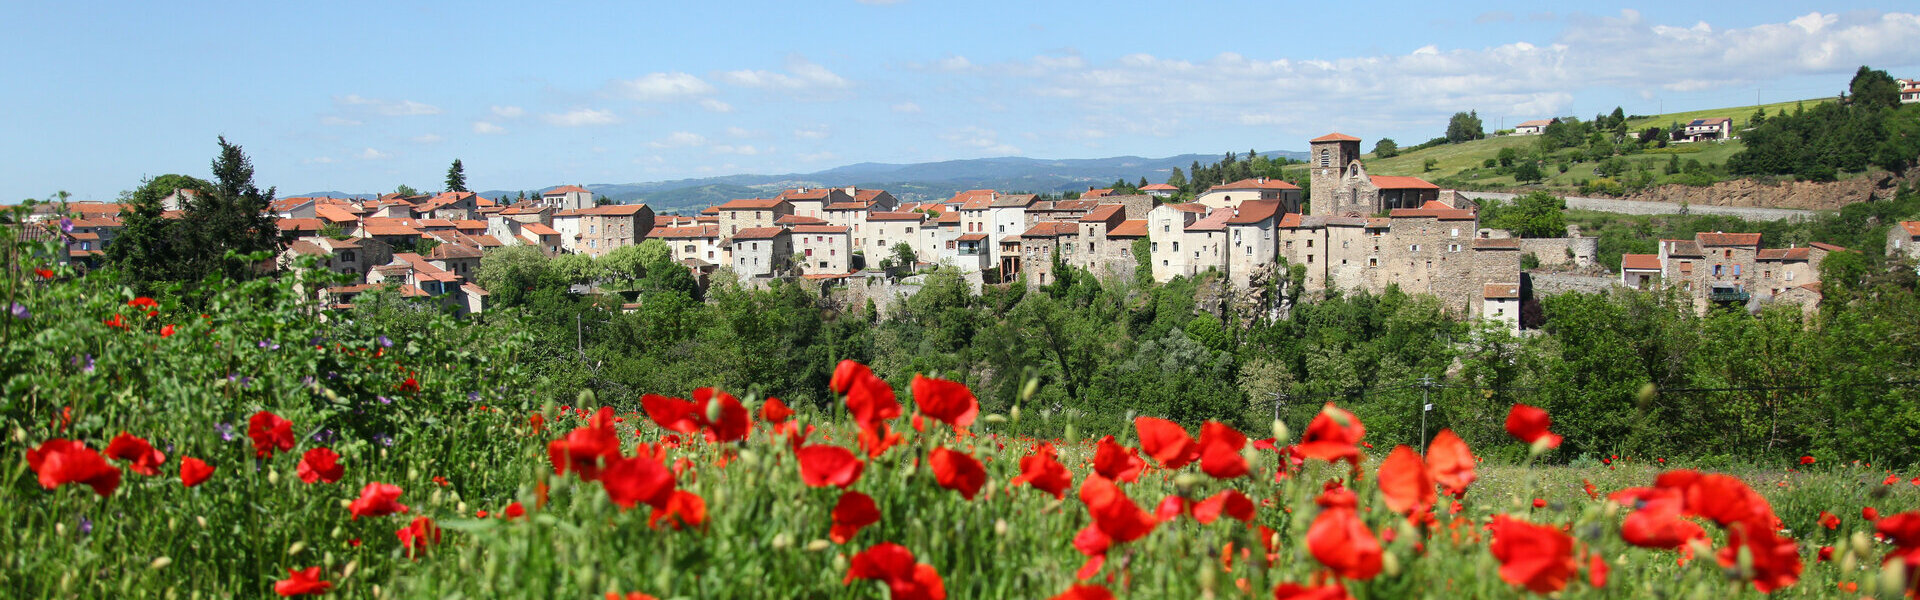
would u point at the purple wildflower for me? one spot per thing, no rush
(20, 311)
(226, 431)
(66, 224)
(385, 400)
(385, 343)
(86, 525)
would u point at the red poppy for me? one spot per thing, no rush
(1115, 514)
(1592, 492)
(1295, 591)
(166, 331)
(1529, 424)
(418, 535)
(139, 454)
(630, 596)
(1829, 520)
(143, 302)
(410, 386)
(1658, 522)
(1404, 482)
(1806, 460)
(1045, 473)
(1722, 498)
(60, 461)
(1342, 542)
(584, 449)
(636, 480)
(1825, 554)
(1537, 557)
(824, 465)
(1869, 513)
(894, 564)
(1231, 503)
(1170, 508)
(957, 471)
(869, 399)
(193, 471)
(683, 508)
(728, 423)
(303, 582)
(1166, 442)
(949, 402)
(1890, 480)
(377, 500)
(877, 439)
(1539, 502)
(1220, 447)
(672, 414)
(1117, 462)
(43, 273)
(1450, 462)
(320, 465)
(853, 512)
(116, 322)
(1596, 570)
(514, 511)
(1333, 435)
(1084, 592)
(1092, 543)
(1904, 531)
(269, 432)
(1775, 559)
(774, 411)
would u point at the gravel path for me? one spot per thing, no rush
(1635, 207)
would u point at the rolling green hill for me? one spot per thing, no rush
(1460, 165)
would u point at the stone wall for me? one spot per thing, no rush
(1551, 284)
(1577, 252)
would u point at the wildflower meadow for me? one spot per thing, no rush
(260, 446)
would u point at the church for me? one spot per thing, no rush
(1341, 187)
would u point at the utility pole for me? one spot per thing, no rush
(1426, 384)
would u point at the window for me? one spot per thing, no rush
(1766, 274)
(1373, 261)
(1309, 259)
(1736, 270)
(688, 248)
(1309, 243)
(1326, 158)
(1789, 275)
(1176, 246)
(1453, 247)
(1456, 232)
(1413, 248)
(1729, 254)
(1156, 246)
(1249, 250)
(1717, 270)
(809, 252)
(1164, 228)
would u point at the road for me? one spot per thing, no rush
(1635, 207)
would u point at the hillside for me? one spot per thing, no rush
(1460, 165)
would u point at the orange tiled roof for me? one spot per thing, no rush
(1129, 228)
(1395, 182)
(1727, 239)
(1254, 211)
(1501, 291)
(1256, 183)
(1640, 262)
(759, 233)
(539, 229)
(565, 189)
(1159, 187)
(752, 204)
(1335, 137)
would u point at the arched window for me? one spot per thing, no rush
(1326, 158)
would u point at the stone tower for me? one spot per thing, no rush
(1329, 156)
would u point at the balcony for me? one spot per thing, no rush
(1728, 294)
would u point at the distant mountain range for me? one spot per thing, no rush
(909, 182)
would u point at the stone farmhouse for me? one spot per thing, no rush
(1731, 269)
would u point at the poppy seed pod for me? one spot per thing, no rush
(1027, 391)
(819, 545)
(160, 563)
(1281, 435)
(1862, 543)
(1014, 414)
(1893, 579)
(1390, 564)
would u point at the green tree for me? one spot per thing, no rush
(1528, 171)
(1535, 215)
(1386, 148)
(1465, 127)
(1429, 164)
(406, 190)
(232, 216)
(1177, 179)
(903, 255)
(456, 177)
(515, 274)
(1508, 155)
(148, 248)
(1873, 88)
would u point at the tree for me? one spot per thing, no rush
(1177, 179)
(1386, 148)
(147, 248)
(1465, 127)
(456, 177)
(603, 200)
(1874, 89)
(1508, 155)
(1528, 171)
(903, 255)
(233, 215)
(406, 190)
(1535, 215)
(1429, 164)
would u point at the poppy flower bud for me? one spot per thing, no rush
(327, 558)
(1540, 445)
(60, 529)
(1280, 433)
(713, 411)
(1848, 563)
(586, 398)
(1014, 414)
(1744, 562)
(1862, 543)
(781, 541)
(1186, 482)
(1646, 393)
(347, 573)
(461, 507)
(995, 419)
(1389, 564)
(751, 458)
(1206, 581)
(160, 563)
(819, 545)
(203, 520)
(1000, 527)
(839, 561)
(1893, 579)
(1027, 391)
(273, 477)
(335, 534)
(296, 548)
(1071, 435)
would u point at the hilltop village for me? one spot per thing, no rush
(1358, 232)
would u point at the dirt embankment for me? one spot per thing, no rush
(1804, 195)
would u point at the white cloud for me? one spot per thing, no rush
(661, 87)
(906, 108)
(401, 108)
(679, 139)
(813, 133)
(801, 75)
(427, 139)
(336, 121)
(743, 150)
(715, 105)
(508, 112)
(740, 132)
(483, 127)
(581, 118)
(319, 160)
(372, 154)
(977, 138)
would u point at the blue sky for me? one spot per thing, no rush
(363, 97)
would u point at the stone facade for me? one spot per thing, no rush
(599, 230)
(825, 249)
(1903, 239)
(761, 252)
(752, 213)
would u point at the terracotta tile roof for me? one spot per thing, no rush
(1450, 214)
(1727, 239)
(470, 224)
(565, 189)
(1189, 207)
(679, 233)
(1497, 244)
(969, 195)
(288, 224)
(423, 269)
(1681, 247)
(826, 229)
(1131, 228)
(1640, 262)
(896, 216)
(973, 237)
(759, 233)
(1104, 213)
(752, 204)
(389, 230)
(1784, 254)
(1011, 240)
(307, 248)
(285, 204)
(1393, 182)
(539, 229)
(1102, 192)
(487, 241)
(978, 203)
(1254, 211)
(1373, 222)
(1014, 201)
(1159, 187)
(867, 195)
(1213, 222)
(805, 194)
(436, 223)
(1335, 137)
(1501, 291)
(799, 220)
(1912, 227)
(711, 210)
(1827, 247)
(933, 207)
(1290, 221)
(610, 210)
(452, 251)
(949, 218)
(475, 290)
(1536, 123)
(1079, 205)
(1255, 183)
(335, 214)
